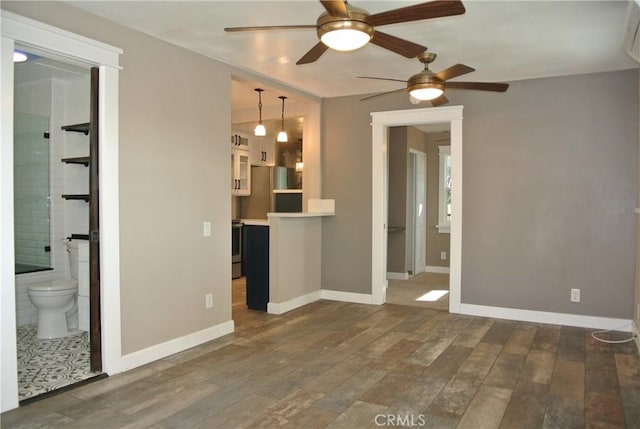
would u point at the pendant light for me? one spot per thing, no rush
(282, 135)
(260, 130)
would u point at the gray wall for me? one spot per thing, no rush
(174, 174)
(550, 181)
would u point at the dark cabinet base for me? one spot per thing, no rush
(256, 259)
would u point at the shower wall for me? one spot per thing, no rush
(31, 191)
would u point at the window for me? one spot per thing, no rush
(444, 193)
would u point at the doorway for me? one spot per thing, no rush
(381, 122)
(65, 46)
(417, 193)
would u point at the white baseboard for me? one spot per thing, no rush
(292, 304)
(357, 298)
(565, 319)
(397, 276)
(159, 351)
(434, 269)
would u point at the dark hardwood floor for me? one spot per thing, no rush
(338, 365)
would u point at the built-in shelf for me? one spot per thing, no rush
(84, 160)
(83, 197)
(78, 128)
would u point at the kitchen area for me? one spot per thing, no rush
(276, 210)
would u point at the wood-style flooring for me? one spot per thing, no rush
(338, 365)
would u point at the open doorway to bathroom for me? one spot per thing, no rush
(55, 212)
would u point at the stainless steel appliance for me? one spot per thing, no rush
(264, 180)
(236, 249)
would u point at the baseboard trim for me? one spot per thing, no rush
(397, 276)
(565, 319)
(292, 304)
(357, 298)
(162, 350)
(434, 269)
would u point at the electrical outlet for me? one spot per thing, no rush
(443, 256)
(206, 229)
(575, 295)
(208, 298)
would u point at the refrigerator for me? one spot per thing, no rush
(264, 180)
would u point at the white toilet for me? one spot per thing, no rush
(56, 301)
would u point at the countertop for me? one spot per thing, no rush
(255, 222)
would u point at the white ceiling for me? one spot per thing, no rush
(502, 40)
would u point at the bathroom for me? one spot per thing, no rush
(48, 95)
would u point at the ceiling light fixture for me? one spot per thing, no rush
(282, 135)
(425, 86)
(19, 57)
(345, 34)
(260, 130)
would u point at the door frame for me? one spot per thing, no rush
(79, 50)
(381, 121)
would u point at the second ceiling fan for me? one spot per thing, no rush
(345, 27)
(430, 86)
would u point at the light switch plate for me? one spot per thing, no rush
(206, 229)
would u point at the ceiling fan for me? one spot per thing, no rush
(430, 86)
(344, 27)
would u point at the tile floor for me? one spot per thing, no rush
(406, 292)
(46, 365)
(338, 365)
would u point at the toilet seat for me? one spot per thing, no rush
(58, 285)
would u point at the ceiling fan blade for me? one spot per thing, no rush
(439, 101)
(433, 9)
(480, 86)
(399, 46)
(381, 78)
(381, 93)
(267, 27)
(454, 71)
(336, 8)
(313, 54)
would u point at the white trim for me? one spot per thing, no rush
(162, 350)
(435, 269)
(73, 48)
(63, 44)
(397, 276)
(444, 229)
(381, 121)
(292, 304)
(8, 354)
(357, 298)
(563, 319)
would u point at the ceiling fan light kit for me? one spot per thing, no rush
(260, 130)
(345, 33)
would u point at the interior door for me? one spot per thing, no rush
(95, 332)
(419, 161)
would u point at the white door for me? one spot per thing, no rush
(419, 162)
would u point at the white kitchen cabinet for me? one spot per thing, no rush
(240, 172)
(263, 152)
(239, 141)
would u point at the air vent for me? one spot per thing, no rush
(632, 31)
